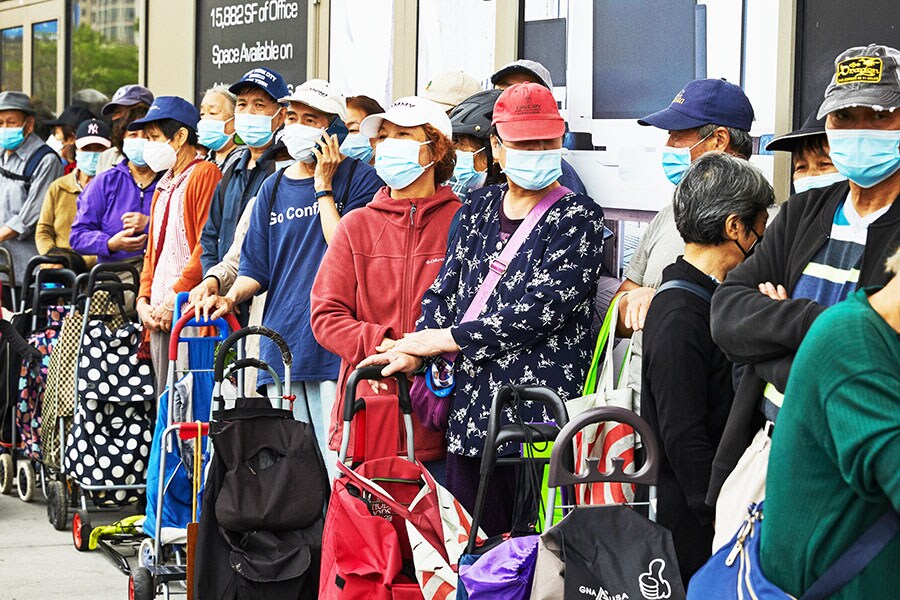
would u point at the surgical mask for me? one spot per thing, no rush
(357, 146)
(160, 156)
(803, 184)
(865, 156)
(676, 161)
(533, 169)
(464, 172)
(87, 162)
(133, 148)
(283, 164)
(255, 130)
(397, 162)
(300, 141)
(11, 137)
(749, 251)
(55, 144)
(211, 134)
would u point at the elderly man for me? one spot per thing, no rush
(27, 168)
(708, 115)
(823, 245)
(257, 115)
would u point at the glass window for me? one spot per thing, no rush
(361, 57)
(11, 58)
(455, 36)
(104, 46)
(44, 41)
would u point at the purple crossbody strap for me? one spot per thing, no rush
(501, 263)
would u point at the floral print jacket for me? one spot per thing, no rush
(536, 326)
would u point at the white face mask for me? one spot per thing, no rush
(803, 184)
(159, 156)
(55, 144)
(300, 141)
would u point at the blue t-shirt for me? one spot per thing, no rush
(282, 251)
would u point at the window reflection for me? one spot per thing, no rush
(11, 58)
(104, 46)
(44, 42)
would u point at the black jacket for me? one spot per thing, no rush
(685, 398)
(764, 334)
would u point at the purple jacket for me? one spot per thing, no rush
(100, 208)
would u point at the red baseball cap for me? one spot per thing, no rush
(527, 111)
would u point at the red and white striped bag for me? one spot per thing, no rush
(611, 440)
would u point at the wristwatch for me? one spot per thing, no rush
(324, 193)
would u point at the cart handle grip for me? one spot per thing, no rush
(188, 431)
(559, 475)
(115, 269)
(351, 406)
(237, 334)
(187, 319)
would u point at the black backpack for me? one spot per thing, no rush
(31, 166)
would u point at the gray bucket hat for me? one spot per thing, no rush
(866, 76)
(16, 101)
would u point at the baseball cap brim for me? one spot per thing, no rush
(109, 107)
(531, 129)
(886, 100)
(237, 87)
(92, 139)
(326, 105)
(141, 123)
(789, 141)
(371, 124)
(670, 119)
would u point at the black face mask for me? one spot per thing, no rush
(749, 251)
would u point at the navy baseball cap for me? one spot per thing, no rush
(704, 102)
(269, 81)
(169, 107)
(128, 95)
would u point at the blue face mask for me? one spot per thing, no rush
(464, 172)
(87, 162)
(357, 146)
(11, 137)
(865, 156)
(254, 130)
(676, 161)
(532, 169)
(803, 184)
(211, 134)
(133, 148)
(397, 162)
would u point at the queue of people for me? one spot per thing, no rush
(447, 234)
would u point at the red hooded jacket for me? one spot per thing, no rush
(379, 263)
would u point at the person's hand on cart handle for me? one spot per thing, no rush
(385, 345)
(205, 289)
(396, 362)
(162, 313)
(217, 306)
(428, 342)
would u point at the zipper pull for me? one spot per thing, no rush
(412, 214)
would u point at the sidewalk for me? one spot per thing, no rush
(39, 563)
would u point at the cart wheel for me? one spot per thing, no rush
(81, 530)
(140, 585)
(6, 473)
(26, 480)
(146, 555)
(57, 505)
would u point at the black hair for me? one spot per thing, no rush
(817, 144)
(170, 127)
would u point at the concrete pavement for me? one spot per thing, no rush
(39, 563)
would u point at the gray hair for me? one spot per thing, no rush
(225, 92)
(714, 188)
(740, 140)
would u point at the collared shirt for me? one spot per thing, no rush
(228, 205)
(20, 205)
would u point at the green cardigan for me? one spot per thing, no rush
(835, 460)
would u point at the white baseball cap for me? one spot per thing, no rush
(450, 88)
(320, 95)
(411, 111)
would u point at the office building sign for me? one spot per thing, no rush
(234, 36)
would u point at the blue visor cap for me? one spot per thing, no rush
(169, 107)
(703, 102)
(269, 81)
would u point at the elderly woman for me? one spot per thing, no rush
(356, 145)
(720, 211)
(215, 131)
(535, 325)
(838, 446)
(359, 300)
(177, 216)
(113, 212)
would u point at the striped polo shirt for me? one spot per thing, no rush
(832, 274)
